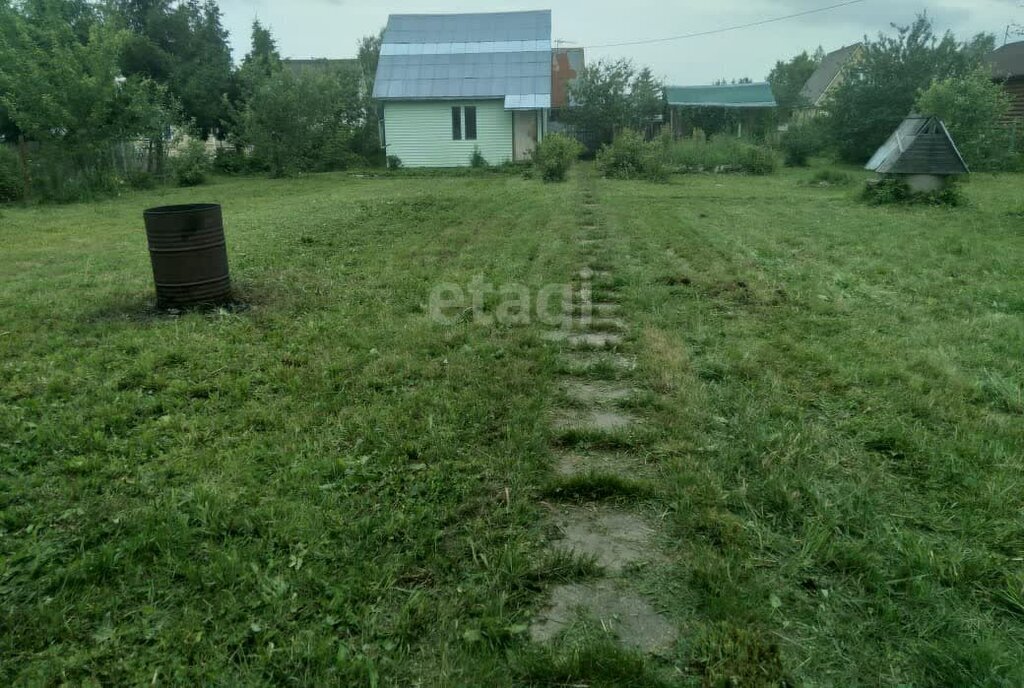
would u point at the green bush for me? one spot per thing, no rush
(800, 143)
(230, 160)
(628, 156)
(623, 158)
(191, 165)
(555, 156)
(895, 191)
(394, 162)
(141, 180)
(10, 176)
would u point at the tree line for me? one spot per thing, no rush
(92, 92)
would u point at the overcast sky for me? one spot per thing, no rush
(331, 28)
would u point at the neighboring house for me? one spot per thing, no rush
(826, 79)
(742, 108)
(453, 84)
(1008, 69)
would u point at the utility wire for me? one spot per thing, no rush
(773, 20)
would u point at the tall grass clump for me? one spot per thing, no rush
(720, 154)
(629, 156)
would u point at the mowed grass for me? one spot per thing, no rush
(843, 425)
(324, 487)
(327, 488)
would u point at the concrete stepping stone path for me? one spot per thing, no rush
(625, 615)
(596, 393)
(592, 421)
(617, 539)
(572, 463)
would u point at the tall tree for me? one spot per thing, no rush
(366, 140)
(262, 61)
(788, 79)
(973, 108)
(883, 85)
(602, 96)
(647, 95)
(183, 44)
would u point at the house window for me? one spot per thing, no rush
(456, 124)
(470, 123)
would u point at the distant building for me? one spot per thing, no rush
(737, 108)
(921, 152)
(829, 75)
(453, 84)
(1008, 69)
(566, 66)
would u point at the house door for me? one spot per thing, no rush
(524, 137)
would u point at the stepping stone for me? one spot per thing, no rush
(569, 464)
(624, 614)
(606, 310)
(582, 362)
(588, 340)
(603, 310)
(605, 324)
(615, 539)
(590, 274)
(595, 393)
(592, 421)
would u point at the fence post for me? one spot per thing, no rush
(25, 174)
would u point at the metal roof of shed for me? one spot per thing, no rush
(726, 96)
(920, 145)
(455, 56)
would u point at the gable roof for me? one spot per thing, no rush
(920, 145)
(1008, 61)
(827, 72)
(452, 56)
(727, 96)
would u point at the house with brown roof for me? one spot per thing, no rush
(1008, 69)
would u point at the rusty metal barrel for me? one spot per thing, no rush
(189, 255)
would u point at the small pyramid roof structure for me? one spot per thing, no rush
(920, 145)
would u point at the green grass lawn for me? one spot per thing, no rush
(326, 487)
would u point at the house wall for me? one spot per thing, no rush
(1015, 87)
(420, 133)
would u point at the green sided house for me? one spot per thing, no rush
(452, 84)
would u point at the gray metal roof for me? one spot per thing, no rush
(498, 55)
(824, 76)
(1008, 61)
(920, 145)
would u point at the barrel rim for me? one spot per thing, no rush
(182, 209)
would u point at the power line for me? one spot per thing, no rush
(773, 20)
